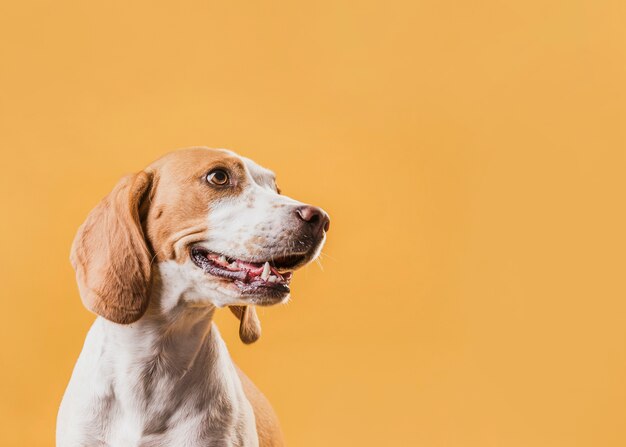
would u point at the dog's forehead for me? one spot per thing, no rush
(261, 176)
(199, 158)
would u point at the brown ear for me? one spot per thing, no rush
(110, 255)
(249, 324)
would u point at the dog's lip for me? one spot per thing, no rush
(251, 277)
(282, 264)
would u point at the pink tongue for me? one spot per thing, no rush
(254, 269)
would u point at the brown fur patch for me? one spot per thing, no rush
(267, 426)
(110, 255)
(180, 204)
(249, 324)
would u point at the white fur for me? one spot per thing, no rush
(111, 399)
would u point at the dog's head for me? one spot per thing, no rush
(215, 225)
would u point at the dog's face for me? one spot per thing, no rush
(214, 221)
(221, 218)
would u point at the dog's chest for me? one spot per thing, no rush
(171, 420)
(184, 427)
(111, 402)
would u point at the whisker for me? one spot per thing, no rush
(319, 262)
(326, 255)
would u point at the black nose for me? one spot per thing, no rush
(316, 217)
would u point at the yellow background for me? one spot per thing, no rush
(471, 155)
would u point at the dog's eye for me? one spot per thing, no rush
(217, 177)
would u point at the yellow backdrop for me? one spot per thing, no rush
(471, 155)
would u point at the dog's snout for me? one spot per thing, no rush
(316, 217)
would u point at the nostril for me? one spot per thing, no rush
(308, 214)
(314, 216)
(300, 214)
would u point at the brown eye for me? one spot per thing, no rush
(217, 177)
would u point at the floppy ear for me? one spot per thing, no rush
(110, 254)
(249, 324)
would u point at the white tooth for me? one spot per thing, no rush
(273, 278)
(266, 271)
(222, 260)
(233, 265)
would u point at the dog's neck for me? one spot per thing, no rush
(173, 352)
(168, 363)
(171, 342)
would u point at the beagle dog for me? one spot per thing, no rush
(197, 230)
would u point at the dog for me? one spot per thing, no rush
(198, 229)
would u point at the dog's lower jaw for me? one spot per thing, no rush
(165, 380)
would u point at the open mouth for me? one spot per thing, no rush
(270, 277)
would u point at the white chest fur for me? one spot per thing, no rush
(133, 387)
